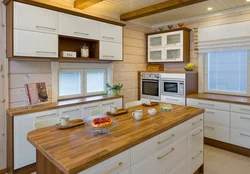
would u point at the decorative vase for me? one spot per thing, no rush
(170, 27)
(114, 92)
(161, 28)
(181, 25)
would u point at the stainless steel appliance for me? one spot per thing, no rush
(173, 87)
(150, 86)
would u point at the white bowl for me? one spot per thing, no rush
(151, 111)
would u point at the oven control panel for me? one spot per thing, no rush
(181, 88)
(152, 76)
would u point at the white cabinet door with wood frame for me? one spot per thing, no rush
(156, 41)
(156, 55)
(173, 38)
(110, 51)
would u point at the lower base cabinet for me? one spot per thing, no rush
(181, 168)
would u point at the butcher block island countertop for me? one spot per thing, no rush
(74, 150)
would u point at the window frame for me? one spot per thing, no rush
(205, 86)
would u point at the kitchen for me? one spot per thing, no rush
(120, 52)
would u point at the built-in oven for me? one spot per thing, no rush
(173, 87)
(150, 86)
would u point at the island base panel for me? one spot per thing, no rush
(200, 170)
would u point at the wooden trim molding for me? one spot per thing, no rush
(3, 171)
(82, 4)
(168, 31)
(158, 8)
(228, 147)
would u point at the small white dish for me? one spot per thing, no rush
(152, 111)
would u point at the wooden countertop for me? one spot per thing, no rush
(222, 98)
(74, 150)
(60, 104)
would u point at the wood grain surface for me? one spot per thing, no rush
(74, 150)
(221, 98)
(60, 104)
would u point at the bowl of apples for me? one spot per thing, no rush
(189, 67)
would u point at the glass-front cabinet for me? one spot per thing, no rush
(155, 41)
(174, 54)
(174, 38)
(156, 55)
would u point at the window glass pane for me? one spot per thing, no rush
(227, 71)
(95, 81)
(70, 83)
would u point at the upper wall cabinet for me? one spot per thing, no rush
(169, 46)
(75, 26)
(35, 18)
(110, 33)
(110, 51)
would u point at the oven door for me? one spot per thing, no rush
(150, 89)
(170, 88)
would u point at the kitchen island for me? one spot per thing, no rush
(154, 144)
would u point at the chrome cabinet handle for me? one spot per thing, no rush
(209, 112)
(206, 104)
(86, 34)
(209, 127)
(245, 118)
(106, 37)
(244, 109)
(108, 103)
(197, 133)
(48, 28)
(160, 157)
(91, 107)
(108, 56)
(71, 110)
(244, 135)
(45, 115)
(115, 168)
(197, 155)
(160, 142)
(45, 52)
(197, 122)
(172, 99)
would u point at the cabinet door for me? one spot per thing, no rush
(195, 160)
(155, 55)
(240, 138)
(34, 44)
(75, 26)
(108, 103)
(174, 54)
(35, 18)
(110, 51)
(173, 100)
(217, 133)
(89, 107)
(182, 168)
(155, 41)
(126, 171)
(75, 112)
(174, 38)
(110, 33)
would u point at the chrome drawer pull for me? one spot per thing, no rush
(197, 133)
(209, 112)
(45, 115)
(91, 107)
(45, 52)
(244, 135)
(81, 33)
(172, 99)
(197, 155)
(206, 104)
(113, 169)
(108, 104)
(160, 142)
(197, 122)
(160, 157)
(71, 110)
(209, 127)
(41, 27)
(108, 56)
(106, 37)
(244, 109)
(245, 118)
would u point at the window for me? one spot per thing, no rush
(83, 82)
(227, 72)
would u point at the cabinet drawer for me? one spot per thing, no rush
(29, 43)
(182, 168)
(46, 115)
(173, 100)
(108, 103)
(195, 122)
(146, 148)
(35, 18)
(240, 108)
(110, 33)
(75, 112)
(110, 51)
(208, 104)
(240, 121)
(195, 139)
(217, 117)
(240, 138)
(162, 160)
(195, 160)
(114, 165)
(89, 107)
(217, 133)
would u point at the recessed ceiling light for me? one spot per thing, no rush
(248, 0)
(210, 8)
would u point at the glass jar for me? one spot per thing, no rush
(85, 51)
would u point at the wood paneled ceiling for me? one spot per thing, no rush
(114, 8)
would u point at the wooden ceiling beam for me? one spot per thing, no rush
(82, 4)
(158, 8)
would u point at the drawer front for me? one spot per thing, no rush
(162, 160)
(74, 112)
(240, 121)
(180, 169)
(195, 122)
(89, 107)
(35, 18)
(217, 117)
(240, 138)
(110, 51)
(173, 100)
(217, 133)
(146, 148)
(208, 104)
(195, 139)
(110, 33)
(35, 44)
(195, 160)
(108, 103)
(46, 115)
(240, 108)
(114, 165)
(126, 171)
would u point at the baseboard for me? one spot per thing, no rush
(3, 171)
(27, 169)
(228, 147)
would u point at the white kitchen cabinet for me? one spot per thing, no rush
(174, 38)
(208, 104)
(217, 117)
(89, 107)
(174, 54)
(70, 25)
(245, 109)
(110, 51)
(174, 100)
(195, 160)
(181, 168)
(115, 102)
(126, 171)
(111, 33)
(156, 41)
(156, 55)
(217, 133)
(195, 139)
(35, 44)
(34, 18)
(240, 121)
(75, 112)
(240, 138)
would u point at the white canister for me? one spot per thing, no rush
(85, 51)
(64, 121)
(113, 109)
(137, 114)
